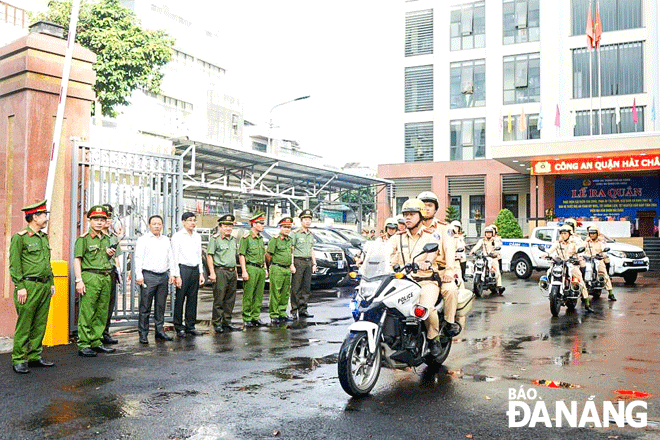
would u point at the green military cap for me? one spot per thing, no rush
(35, 208)
(226, 219)
(259, 216)
(108, 210)
(97, 211)
(286, 221)
(306, 213)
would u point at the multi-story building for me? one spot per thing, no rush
(494, 87)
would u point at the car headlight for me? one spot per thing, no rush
(619, 254)
(319, 255)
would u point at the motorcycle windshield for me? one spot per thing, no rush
(377, 260)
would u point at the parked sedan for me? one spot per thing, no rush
(331, 236)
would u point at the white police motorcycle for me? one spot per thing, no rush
(484, 275)
(389, 330)
(563, 289)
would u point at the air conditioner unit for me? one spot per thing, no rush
(467, 87)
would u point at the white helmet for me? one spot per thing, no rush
(456, 224)
(390, 223)
(428, 196)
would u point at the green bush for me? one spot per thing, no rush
(507, 225)
(451, 214)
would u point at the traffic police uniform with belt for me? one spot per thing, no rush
(91, 251)
(30, 270)
(222, 252)
(303, 248)
(251, 251)
(280, 258)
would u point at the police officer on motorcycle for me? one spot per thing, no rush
(565, 249)
(406, 246)
(487, 246)
(594, 246)
(390, 229)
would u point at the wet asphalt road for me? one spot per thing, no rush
(282, 382)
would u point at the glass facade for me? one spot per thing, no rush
(467, 139)
(520, 21)
(419, 33)
(522, 78)
(611, 124)
(616, 15)
(622, 70)
(419, 88)
(531, 130)
(467, 27)
(418, 139)
(468, 84)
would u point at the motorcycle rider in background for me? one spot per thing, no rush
(565, 248)
(459, 236)
(498, 242)
(390, 229)
(487, 245)
(407, 245)
(594, 246)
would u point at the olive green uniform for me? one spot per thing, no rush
(303, 246)
(224, 252)
(96, 267)
(280, 275)
(114, 279)
(29, 267)
(253, 249)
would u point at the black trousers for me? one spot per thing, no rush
(113, 300)
(156, 290)
(187, 293)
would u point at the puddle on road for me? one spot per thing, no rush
(62, 418)
(302, 365)
(86, 382)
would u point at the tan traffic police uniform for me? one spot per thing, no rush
(593, 248)
(565, 251)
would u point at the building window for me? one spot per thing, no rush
(419, 32)
(615, 14)
(467, 139)
(419, 142)
(419, 88)
(611, 124)
(621, 70)
(531, 130)
(468, 84)
(477, 203)
(511, 203)
(520, 21)
(522, 78)
(467, 27)
(234, 124)
(455, 201)
(259, 146)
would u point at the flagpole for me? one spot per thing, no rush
(600, 93)
(591, 84)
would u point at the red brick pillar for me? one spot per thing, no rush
(493, 193)
(30, 80)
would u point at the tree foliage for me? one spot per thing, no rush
(507, 225)
(451, 214)
(127, 56)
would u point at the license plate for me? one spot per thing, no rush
(340, 264)
(638, 262)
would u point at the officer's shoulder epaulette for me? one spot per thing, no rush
(23, 232)
(442, 222)
(216, 235)
(85, 234)
(246, 234)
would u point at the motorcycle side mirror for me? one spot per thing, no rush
(606, 250)
(396, 268)
(430, 247)
(460, 250)
(580, 250)
(356, 242)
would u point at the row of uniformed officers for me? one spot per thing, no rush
(288, 260)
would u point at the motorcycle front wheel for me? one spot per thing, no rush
(555, 301)
(596, 293)
(477, 285)
(356, 376)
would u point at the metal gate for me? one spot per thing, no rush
(137, 185)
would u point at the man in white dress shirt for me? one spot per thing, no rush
(154, 269)
(187, 252)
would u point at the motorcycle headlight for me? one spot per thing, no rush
(367, 290)
(556, 272)
(619, 254)
(479, 263)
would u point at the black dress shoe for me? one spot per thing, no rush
(259, 323)
(194, 332)
(435, 348)
(20, 368)
(452, 329)
(181, 333)
(230, 328)
(249, 323)
(500, 290)
(164, 336)
(87, 352)
(305, 315)
(220, 329)
(107, 339)
(40, 363)
(286, 319)
(102, 349)
(144, 340)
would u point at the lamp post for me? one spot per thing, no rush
(270, 116)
